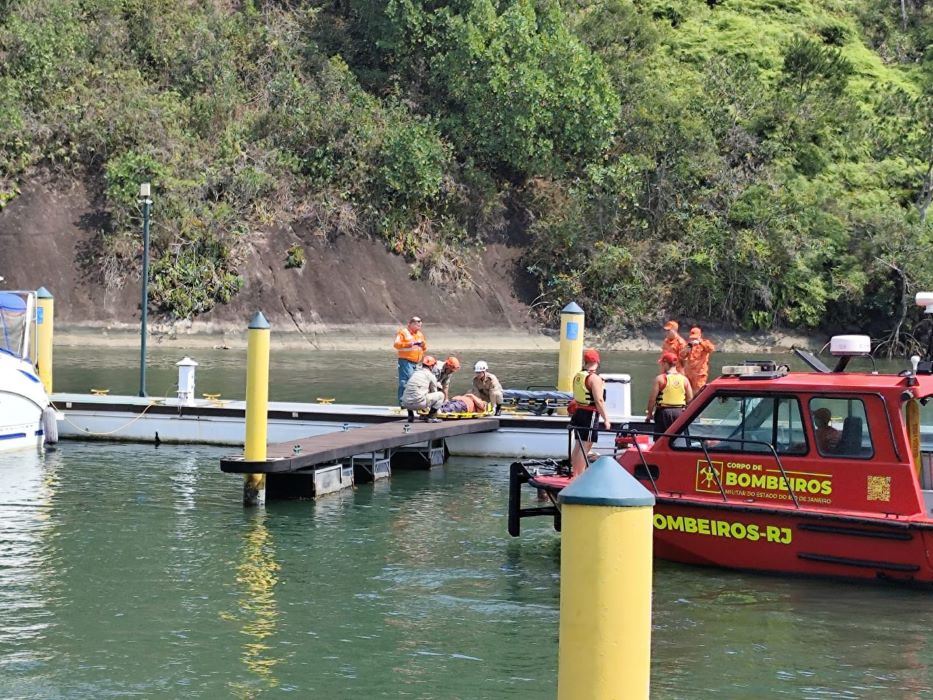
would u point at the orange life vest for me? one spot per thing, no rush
(405, 338)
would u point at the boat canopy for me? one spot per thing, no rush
(14, 322)
(12, 302)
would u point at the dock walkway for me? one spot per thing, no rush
(307, 453)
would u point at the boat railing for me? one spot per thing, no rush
(627, 437)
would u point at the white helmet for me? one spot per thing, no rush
(481, 366)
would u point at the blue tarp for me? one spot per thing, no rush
(537, 402)
(518, 395)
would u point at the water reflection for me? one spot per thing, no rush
(110, 555)
(737, 636)
(257, 575)
(27, 554)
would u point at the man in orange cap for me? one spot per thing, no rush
(673, 342)
(444, 373)
(695, 358)
(589, 392)
(421, 391)
(670, 393)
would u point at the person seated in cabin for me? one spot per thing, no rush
(464, 403)
(421, 391)
(827, 437)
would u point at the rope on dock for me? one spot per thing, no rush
(152, 402)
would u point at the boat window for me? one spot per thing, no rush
(746, 424)
(926, 424)
(840, 427)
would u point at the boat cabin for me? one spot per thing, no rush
(830, 440)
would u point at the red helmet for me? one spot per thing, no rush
(668, 357)
(428, 360)
(590, 356)
(453, 363)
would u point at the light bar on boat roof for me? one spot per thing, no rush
(755, 369)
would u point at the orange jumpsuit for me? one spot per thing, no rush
(675, 345)
(696, 363)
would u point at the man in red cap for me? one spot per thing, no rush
(589, 392)
(695, 358)
(673, 342)
(670, 393)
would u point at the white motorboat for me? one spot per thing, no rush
(23, 399)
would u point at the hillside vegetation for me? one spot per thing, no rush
(754, 163)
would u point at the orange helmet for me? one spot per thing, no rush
(428, 361)
(453, 363)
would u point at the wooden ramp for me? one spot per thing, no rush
(307, 453)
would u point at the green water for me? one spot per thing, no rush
(133, 571)
(304, 375)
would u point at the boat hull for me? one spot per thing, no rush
(793, 542)
(22, 401)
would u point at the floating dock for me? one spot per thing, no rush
(313, 466)
(310, 452)
(219, 421)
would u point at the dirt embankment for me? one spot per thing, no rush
(351, 292)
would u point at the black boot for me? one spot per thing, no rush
(411, 416)
(432, 417)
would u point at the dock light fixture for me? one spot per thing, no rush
(146, 200)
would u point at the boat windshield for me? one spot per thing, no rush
(748, 424)
(14, 322)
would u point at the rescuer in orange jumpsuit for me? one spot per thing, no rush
(673, 342)
(695, 358)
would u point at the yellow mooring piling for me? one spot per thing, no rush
(570, 360)
(605, 589)
(257, 407)
(45, 326)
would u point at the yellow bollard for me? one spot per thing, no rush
(912, 415)
(571, 346)
(257, 407)
(605, 586)
(45, 326)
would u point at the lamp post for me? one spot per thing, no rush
(146, 201)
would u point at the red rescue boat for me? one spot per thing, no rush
(809, 473)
